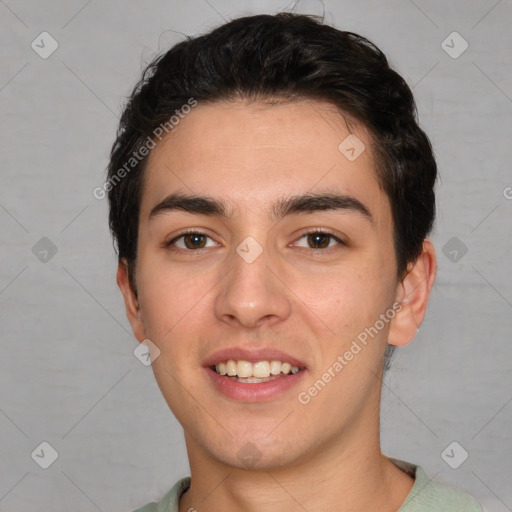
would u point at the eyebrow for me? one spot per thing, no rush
(298, 204)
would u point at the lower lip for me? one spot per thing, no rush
(254, 392)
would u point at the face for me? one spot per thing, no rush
(273, 278)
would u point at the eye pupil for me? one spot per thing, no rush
(319, 239)
(195, 239)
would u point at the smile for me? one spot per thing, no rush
(260, 371)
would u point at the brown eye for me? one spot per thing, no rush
(320, 240)
(189, 241)
(194, 241)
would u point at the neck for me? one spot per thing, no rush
(348, 473)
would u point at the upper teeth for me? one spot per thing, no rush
(261, 369)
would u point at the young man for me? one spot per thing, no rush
(271, 194)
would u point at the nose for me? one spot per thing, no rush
(252, 294)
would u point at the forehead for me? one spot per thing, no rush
(250, 153)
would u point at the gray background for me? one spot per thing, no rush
(69, 375)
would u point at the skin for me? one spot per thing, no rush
(324, 455)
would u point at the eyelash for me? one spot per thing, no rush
(312, 232)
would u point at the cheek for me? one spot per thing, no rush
(170, 300)
(347, 299)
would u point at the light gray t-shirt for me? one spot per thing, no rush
(426, 495)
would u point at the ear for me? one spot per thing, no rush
(413, 294)
(133, 311)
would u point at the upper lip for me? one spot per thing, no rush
(251, 355)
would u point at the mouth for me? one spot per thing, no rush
(254, 375)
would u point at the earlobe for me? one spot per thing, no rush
(413, 295)
(133, 311)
